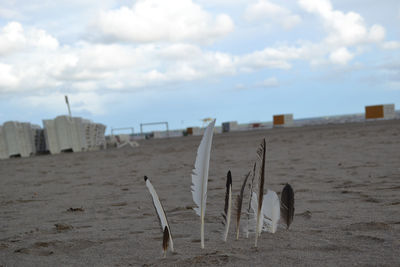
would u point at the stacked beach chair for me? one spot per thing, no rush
(100, 138)
(89, 129)
(64, 134)
(18, 139)
(94, 135)
(3, 145)
(74, 134)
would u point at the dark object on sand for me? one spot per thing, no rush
(63, 226)
(226, 215)
(287, 205)
(75, 209)
(165, 240)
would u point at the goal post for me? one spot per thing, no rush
(122, 129)
(154, 123)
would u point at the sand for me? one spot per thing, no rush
(93, 208)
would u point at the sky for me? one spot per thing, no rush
(127, 62)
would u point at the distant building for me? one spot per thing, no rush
(380, 112)
(283, 120)
(229, 126)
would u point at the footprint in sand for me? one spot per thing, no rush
(370, 238)
(367, 226)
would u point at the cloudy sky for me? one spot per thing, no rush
(126, 62)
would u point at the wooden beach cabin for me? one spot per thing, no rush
(283, 120)
(380, 112)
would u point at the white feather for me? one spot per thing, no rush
(271, 211)
(254, 207)
(160, 211)
(200, 175)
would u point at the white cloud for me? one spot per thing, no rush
(264, 10)
(32, 61)
(344, 29)
(160, 21)
(7, 13)
(88, 67)
(391, 72)
(91, 102)
(341, 56)
(376, 34)
(391, 45)
(7, 79)
(279, 58)
(240, 87)
(39, 38)
(323, 7)
(14, 38)
(268, 83)
(227, 3)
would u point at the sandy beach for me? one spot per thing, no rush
(93, 208)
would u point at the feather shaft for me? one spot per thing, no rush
(239, 202)
(228, 205)
(261, 153)
(200, 176)
(160, 211)
(250, 199)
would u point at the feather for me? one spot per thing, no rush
(261, 155)
(257, 228)
(271, 211)
(165, 240)
(251, 196)
(200, 176)
(287, 205)
(160, 211)
(228, 205)
(239, 202)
